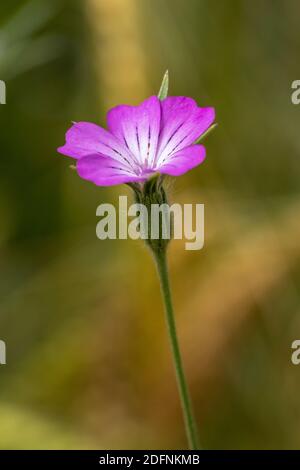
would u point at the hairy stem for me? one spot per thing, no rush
(190, 425)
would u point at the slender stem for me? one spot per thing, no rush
(190, 425)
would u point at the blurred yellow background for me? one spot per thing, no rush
(88, 363)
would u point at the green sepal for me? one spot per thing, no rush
(164, 87)
(206, 133)
(153, 192)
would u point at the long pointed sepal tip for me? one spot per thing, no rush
(164, 87)
(206, 133)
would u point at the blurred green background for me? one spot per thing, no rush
(88, 364)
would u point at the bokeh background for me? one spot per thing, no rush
(88, 364)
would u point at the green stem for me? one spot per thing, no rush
(190, 425)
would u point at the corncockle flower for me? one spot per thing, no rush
(154, 137)
(160, 136)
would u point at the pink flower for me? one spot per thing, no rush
(154, 137)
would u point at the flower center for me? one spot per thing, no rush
(143, 169)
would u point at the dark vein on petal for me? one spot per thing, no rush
(149, 144)
(179, 143)
(174, 133)
(130, 151)
(137, 138)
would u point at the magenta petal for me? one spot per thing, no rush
(104, 171)
(183, 160)
(138, 128)
(182, 123)
(86, 138)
